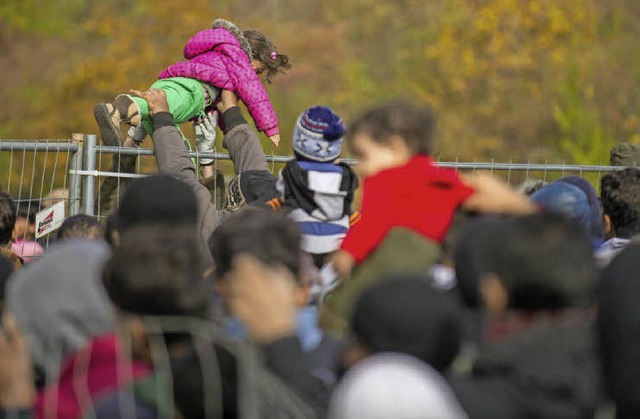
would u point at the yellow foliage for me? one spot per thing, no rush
(495, 71)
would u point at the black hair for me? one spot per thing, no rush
(6, 269)
(80, 226)
(265, 51)
(413, 124)
(270, 237)
(7, 218)
(544, 261)
(159, 199)
(620, 197)
(471, 257)
(158, 271)
(403, 313)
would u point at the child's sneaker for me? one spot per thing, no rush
(127, 110)
(109, 116)
(108, 121)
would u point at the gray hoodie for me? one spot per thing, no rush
(59, 301)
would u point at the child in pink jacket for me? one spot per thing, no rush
(223, 57)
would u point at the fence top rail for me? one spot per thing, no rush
(72, 146)
(39, 145)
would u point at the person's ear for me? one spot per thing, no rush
(400, 147)
(494, 294)
(609, 230)
(115, 239)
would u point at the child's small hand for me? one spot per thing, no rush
(275, 139)
(343, 264)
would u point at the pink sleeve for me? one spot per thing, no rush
(250, 90)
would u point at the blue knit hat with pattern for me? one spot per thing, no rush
(318, 135)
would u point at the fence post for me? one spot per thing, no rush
(88, 191)
(75, 185)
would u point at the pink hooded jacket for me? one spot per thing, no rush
(221, 57)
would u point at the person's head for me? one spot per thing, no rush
(576, 199)
(157, 271)
(393, 386)
(53, 197)
(270, 237)
(390, 135)
(404, 314)
(7, 218)
(620, 197)
(25, 226)
(59, 301)
(625, 154)
(538, 262)
(80, 226)
(156, 200)
(317, 135)
(265, 58)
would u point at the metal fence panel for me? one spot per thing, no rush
(33, 169)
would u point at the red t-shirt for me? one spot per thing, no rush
(418, 195)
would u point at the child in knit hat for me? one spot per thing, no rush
(316, 188)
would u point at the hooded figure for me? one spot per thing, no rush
(59, 302)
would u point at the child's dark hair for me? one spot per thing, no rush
(265, 51)
(411, 123)
(80, 226)
(620, 197)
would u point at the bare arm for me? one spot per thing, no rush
(493, 195)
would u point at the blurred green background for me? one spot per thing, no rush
(510, 80)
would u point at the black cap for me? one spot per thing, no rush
(404, 314)
(157, 199)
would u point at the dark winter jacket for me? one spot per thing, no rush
(545, 372)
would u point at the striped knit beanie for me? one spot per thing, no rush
(318, 135)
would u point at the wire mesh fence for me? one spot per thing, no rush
(91, 178)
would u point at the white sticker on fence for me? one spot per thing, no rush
(49, 219)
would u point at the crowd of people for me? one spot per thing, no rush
(443, 295)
